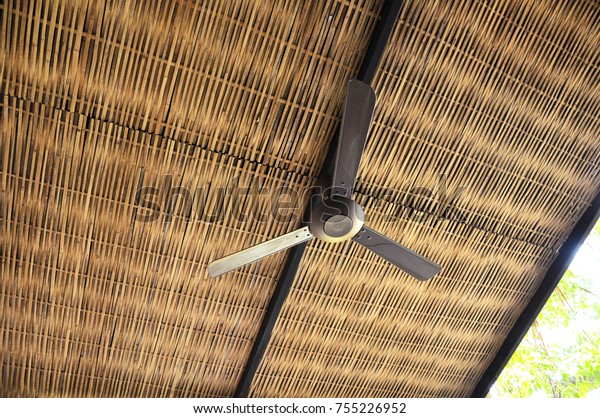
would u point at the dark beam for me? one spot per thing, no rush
(553, 275)
(366, 73)
(379, 40)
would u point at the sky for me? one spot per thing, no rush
(587, 260)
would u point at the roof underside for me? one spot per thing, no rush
(494, 104)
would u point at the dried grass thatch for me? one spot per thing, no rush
(101, 99)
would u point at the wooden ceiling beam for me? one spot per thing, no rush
(366, 73)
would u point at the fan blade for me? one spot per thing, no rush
(356, 120)
(252, 254)
(409, 261)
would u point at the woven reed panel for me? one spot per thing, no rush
(502, 98)
(102, 99)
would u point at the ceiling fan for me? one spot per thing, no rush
(334, 216)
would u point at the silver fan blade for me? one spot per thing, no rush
(409, 261)
(252, 254)
(356, 120)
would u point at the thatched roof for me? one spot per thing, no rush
(497, 99)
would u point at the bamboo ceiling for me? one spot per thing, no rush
(498, 100)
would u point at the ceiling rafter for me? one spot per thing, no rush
(366, 73)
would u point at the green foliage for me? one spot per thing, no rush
(560, 355)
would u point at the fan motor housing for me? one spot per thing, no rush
(336, 219)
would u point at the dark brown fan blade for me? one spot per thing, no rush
(403, 258)
(356, 120)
